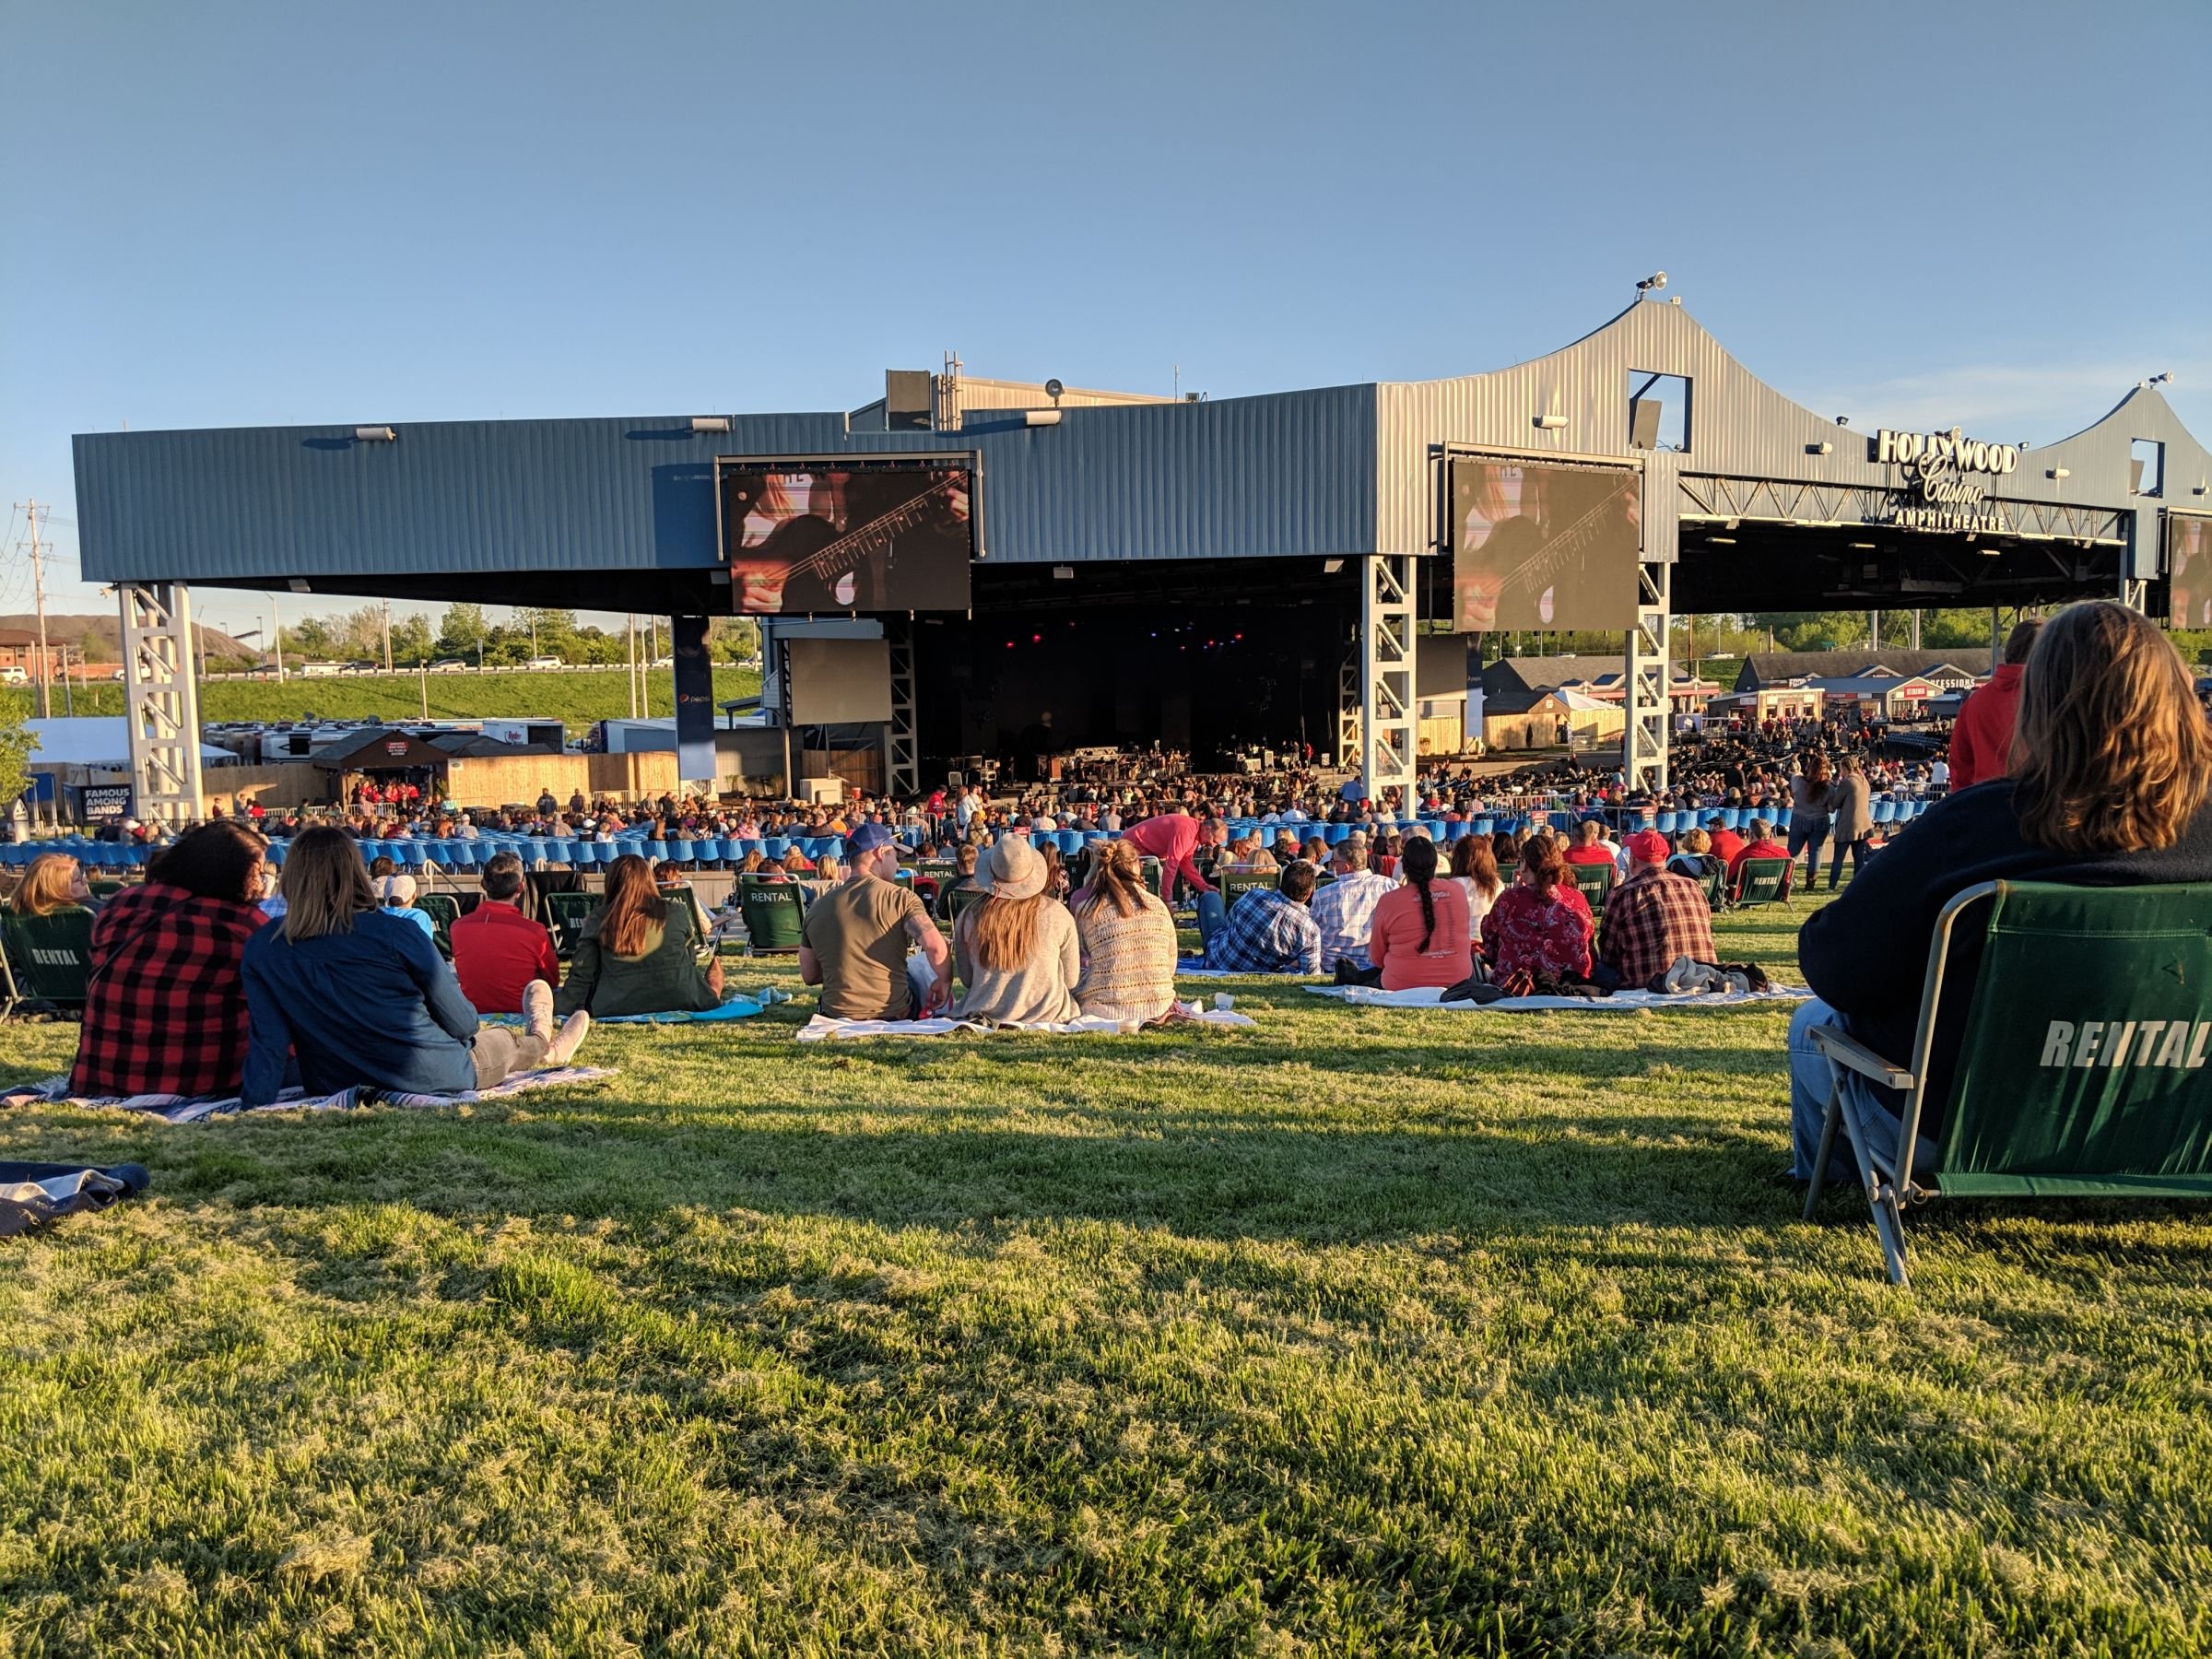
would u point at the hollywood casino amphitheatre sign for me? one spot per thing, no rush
(1944, 484)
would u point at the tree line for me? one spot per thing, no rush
(465, 634)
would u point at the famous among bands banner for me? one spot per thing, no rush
(2189, 569)
(1542, 545)
(845, 536)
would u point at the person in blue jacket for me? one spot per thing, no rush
(359, 996)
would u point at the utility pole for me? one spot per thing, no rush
(38, 588)
(387, 636)
(277, 638)
(629, 664)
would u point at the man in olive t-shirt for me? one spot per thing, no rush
(855, 937)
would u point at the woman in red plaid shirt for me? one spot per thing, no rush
(1541, 923)
(166, 1013)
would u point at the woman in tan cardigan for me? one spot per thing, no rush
(1128, 941)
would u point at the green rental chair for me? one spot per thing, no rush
(1594, 881)
(46, 958)
(775, 912)
(962, 898)
(566, 914)
(443, 910)
(1235, 884)
(1762, 881)
(2082, 1071)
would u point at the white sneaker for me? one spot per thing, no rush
(537, 1010)
(571, 1037)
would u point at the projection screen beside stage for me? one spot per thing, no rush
(1543, 544)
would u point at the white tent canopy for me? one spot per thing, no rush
(93, 743)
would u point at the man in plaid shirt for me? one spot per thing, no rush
(1345, 909)
(1654, 916)
(1269, 930)
(166, 1012)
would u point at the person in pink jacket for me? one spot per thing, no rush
(1981, 737)
(1174, 837)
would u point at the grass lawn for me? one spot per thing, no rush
(1364, 1332)
(578, 696)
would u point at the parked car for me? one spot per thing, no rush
(319, 670)
(545, 663)
(14, 677)
(448, 666)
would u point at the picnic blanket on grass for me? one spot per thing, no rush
(186, 1109)
(1430, 996)
(822, 1028)
(1196, 967)
(32, 1194)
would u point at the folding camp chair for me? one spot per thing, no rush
(1235, 884)
(1761, 881)
(775, 914)
(566, 914)
(1595, 881)
(702, 925)
(964, 897)
(2043, 1100)
(1708, 872)
(443, 910)
(49, 959)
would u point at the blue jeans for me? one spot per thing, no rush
(1878, 1112)
(1808, 831)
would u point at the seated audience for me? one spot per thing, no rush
(1589, 846)
(1269, 930)
(1421, 936)
(1694, 857)
(1724, 845)
(2113, 759)
(360, 997)
(855, 940)
(499, 953)
(1541, 924)
(397, 894)
(1475, 872)
(1654, 916)
(53, 882)
(1015, 951)
(1761, 844)
(165, 1013)
(638, 952)
(1127, 939)
(1345, 909)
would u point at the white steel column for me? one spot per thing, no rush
(901, 744)
(162, 700)
(1386, 702)
(1347, 708)
(1649, 707)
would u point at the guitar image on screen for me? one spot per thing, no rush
(807, 564)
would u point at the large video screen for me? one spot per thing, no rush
(2188, 570)
(1541, 545)
(812, 536)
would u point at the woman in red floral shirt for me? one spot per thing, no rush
(1542, 922)
(166, 1013)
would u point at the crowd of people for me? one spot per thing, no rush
(2089, 763)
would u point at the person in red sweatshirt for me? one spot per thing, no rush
(1761, 844)
(1174, 837)
(1981, 736)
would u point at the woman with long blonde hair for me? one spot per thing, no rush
(2111, 760)
(638, 953)
(1126, 938)
(359, 995)
(55, 882)
(1015, 953)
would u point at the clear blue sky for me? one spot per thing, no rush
(242, 214)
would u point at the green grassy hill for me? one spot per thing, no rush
(578, 696)
(1362, 1331)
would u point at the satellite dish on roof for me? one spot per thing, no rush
(1052, 389)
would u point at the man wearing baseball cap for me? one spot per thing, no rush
(1654, 916)
(854, 939)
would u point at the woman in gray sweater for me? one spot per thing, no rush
(1809, 812)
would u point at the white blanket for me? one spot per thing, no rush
(1430, 996)
(822, 1028)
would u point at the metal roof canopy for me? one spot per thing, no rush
(619, 514)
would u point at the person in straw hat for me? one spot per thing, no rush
(1015, 953)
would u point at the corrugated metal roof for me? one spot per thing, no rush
(1290, 473)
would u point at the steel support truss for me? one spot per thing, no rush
(1777, 501)
(1387, 675)
(1650, 708)
(162, 700)
(1348, 707)
(901, 745)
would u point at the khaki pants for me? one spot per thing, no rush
(499, 1052)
